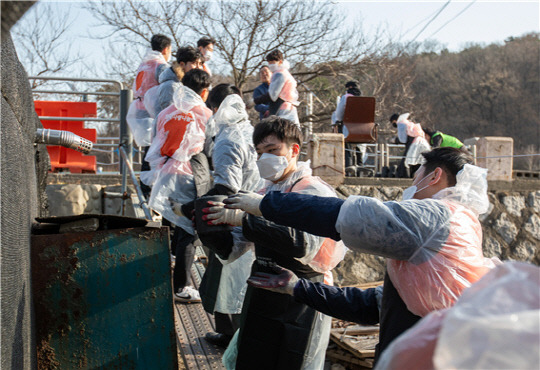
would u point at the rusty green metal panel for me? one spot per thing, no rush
(104, 300)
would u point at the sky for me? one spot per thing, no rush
(456, 24)
(480, 22)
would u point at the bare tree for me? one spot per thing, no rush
(43, 41)
(307, 32)
(134, 22)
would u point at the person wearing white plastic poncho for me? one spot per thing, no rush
(277, 332)
(160, 97)
(235, 169)
(180, 134)
(154, 62)
(412, 135)
(493, 325)
(432, 240)
(282, 95)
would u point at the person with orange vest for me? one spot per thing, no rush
(432, 241)
(282, 95)
(180, 134)
(206, 47)
(277, 332)
(154, 62)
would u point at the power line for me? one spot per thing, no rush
(428, 23)
(419, 23)
(457, 15)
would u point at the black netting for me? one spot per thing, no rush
(22, 196)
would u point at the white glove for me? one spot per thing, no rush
(248, 202)
(217, 215)
(176, 208)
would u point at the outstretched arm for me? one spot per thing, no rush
(351, 304)
(313, 214)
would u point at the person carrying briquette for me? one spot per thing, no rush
(180, 134)
(276, 332)
(412, 135)
(437, 139)
(262, 89)
(138, 118)
(234, 160)
(282, 96)
(432, 240)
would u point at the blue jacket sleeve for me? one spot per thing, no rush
(261, 90)
(310, 213)
(262, 108)
(351, 304)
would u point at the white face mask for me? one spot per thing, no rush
(273, 67)
(412, 190)
(208, 55)
(271, 167)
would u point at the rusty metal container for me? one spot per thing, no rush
(102, 294)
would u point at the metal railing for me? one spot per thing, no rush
(125, 140)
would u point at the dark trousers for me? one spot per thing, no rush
(227, 324)
(353, 156)
(145, 166)
(182, 243)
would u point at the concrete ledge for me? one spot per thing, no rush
(377, 181)
(85, 179)
(116, 179)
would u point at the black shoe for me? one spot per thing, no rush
(218, 339)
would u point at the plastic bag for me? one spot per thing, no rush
(494, 325)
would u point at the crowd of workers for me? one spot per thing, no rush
(269, 275)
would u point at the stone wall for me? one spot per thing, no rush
(511, 227)
(76, 199)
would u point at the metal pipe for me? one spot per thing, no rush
(63, 138)
(126, 139)
(75, 92)
(120, 85)
(90, 119)
(142, 199)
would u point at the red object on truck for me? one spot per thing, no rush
(62, 158)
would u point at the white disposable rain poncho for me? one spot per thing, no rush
(235, 166)
(322, 255)
(419, 145)
(283, 85)
(161, 96)
(434, 246)
(138, 119)
(302, 181)
(180, 134)
(493, 325)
